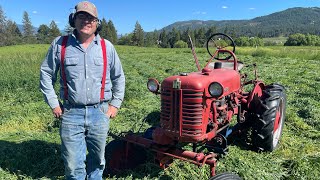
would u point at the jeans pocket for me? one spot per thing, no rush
(66, 110)
(103, 108)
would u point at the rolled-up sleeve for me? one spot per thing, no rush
(48, 76)
(117, 78)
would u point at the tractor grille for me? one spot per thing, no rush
(181, 111)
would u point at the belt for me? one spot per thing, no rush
(70, 105)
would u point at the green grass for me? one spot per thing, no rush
(29, 135)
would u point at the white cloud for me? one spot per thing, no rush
(34, 12)
(199, 12)
(224, 7)
(252, 8)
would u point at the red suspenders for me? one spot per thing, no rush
(105, 60)
(63, 73)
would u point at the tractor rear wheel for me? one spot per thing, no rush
(121, 155)
(225, 176)
(270, 111)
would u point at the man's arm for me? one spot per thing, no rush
(118, 84)
(48, 76)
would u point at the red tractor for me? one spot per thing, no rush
(198, 108)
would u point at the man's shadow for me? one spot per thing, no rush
(34, 158)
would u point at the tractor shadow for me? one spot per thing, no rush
(148, 169)
(35, 159)
(153, 118)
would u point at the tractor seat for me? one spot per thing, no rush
(225, 65)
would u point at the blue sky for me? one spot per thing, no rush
(151, 14)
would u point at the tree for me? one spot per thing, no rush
(150, 40)
(28, 33)
(54, 30)
(68, 29)
(212, 30)
(242, 41)
(108, 31)
(200, 37)
(255, 41)
(104, 28)
(13, 34)
(163, 39)
(113, 37)
(173, 37)
(296, 40)
(185, 36)
(138, 35)
(126, 40)
(43, 34)
(180, 44)
(3, 24)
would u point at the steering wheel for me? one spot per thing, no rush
(220, 41)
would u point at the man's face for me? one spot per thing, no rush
(85, 23)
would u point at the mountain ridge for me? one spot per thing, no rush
(282, 23)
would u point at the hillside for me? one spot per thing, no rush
(283, 23)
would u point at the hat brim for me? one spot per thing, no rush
(85, 10)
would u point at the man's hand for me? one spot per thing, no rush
(112, 111)
(57, 112)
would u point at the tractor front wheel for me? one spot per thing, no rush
(270, 111)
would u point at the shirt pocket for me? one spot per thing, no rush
(98, 68)
(72, 68)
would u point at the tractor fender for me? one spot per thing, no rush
(256, 92)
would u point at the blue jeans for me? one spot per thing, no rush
(84, 129)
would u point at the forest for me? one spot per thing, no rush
(297, 25)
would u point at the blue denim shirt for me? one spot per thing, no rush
(83, 68)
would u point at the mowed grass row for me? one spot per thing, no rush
(29, 135)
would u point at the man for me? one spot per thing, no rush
(92, 88)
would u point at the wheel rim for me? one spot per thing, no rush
(277, 130)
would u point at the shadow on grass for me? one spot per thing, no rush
(153, 118)
(33, 158)
(143, 171)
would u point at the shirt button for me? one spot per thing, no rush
(88, 89)
(87, 77)
(88, 99)
(86, 65)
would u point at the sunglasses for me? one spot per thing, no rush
(86, 16)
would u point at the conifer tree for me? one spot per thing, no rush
(200, 37)
(104, 28)
(28, 33)
(113, 37)
(13, 34)
(151, 39)
(43, 34)
(68, 29)
(163, 39)
(185, 37)
(138, 35)
(212, 30)
(3, 24)
(54, 30)
(173, 37)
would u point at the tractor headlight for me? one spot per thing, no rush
(153, 85)
(215, 89)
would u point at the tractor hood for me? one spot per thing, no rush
(200, 81)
